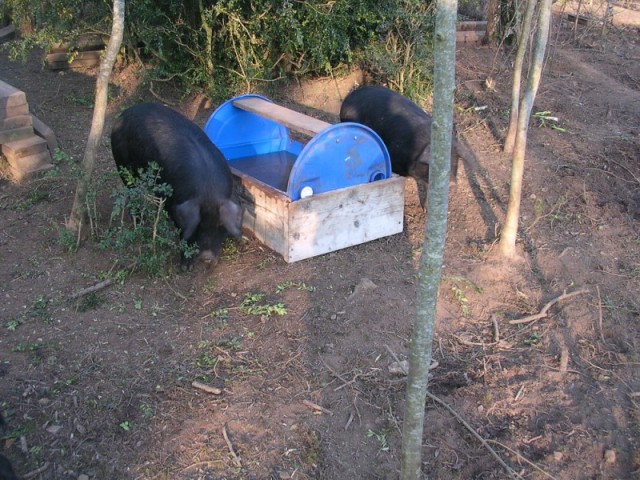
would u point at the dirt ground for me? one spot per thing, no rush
(102, 388)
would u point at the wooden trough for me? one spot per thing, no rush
(303, 200)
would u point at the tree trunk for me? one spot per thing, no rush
(78, 210)
(435, 231)
(493, 13)
(507, 246)
(517, 76)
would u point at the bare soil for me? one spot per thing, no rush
(101, 388)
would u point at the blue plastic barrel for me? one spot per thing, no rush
(340, 156)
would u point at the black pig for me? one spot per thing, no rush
(6, 469)
(402, 125)
(201, 204)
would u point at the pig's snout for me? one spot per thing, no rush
(208, 258)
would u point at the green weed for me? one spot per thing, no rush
(250, 306)
(150, 238)
(545, 119)
(381, 437)
(459, 294)
(290, 284)
(34, 198)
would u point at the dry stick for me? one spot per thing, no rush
(236, 458)
(317, 407)
(564, 359)
(543, 312)
(523, 458)
(509, 470)
(36, 472)
(496, 330)
(600, 313)
(206, 388)
(91, 289)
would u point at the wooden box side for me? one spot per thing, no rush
(265, 211)
(345, 217)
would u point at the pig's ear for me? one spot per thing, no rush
(187, 217)
(231, 217)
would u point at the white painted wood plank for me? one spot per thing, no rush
(345, 217)
(265, 211)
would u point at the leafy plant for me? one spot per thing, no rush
(381, 437)
(250, 306)
(545, 119)
(290, 284)
(150, 238)
(459, 293)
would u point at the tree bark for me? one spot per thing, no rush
(493, 14)
(517, 76)
(430, 269)
(78, 210)
(507, 246)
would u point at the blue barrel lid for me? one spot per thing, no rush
(340, 156)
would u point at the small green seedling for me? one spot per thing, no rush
(381, 437)
(546, 120)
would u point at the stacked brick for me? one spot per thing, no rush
(25, 151)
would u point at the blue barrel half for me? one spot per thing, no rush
(340, 156)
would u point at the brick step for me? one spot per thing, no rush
(18, 133)
(25, 147)
(24, 167)
(16, 121)
(11, 96)
(14, 111)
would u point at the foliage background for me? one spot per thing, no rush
(224, 47)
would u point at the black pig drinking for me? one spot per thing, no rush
(402, 125)
(201, 203)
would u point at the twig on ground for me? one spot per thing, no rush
(236, 458)
(91, 289)
(206, 388)
(509, 470)
(523, 458)
(564, 359)
(317, 407)
(36, 472)
(337, 375)
(545, 309)
(346, 427)
(600, 313)
(395, 357)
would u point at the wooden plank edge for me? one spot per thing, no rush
(290, 118)
(44, 131)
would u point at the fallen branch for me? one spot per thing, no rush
(496, 330)
(600, 314)
(91, 289)
(545, 309)
(509, 470)
(519, 455)
(236, 458)
(206, 388)
(36, 472)
(317, 407)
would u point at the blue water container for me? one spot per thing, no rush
(339, 156)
